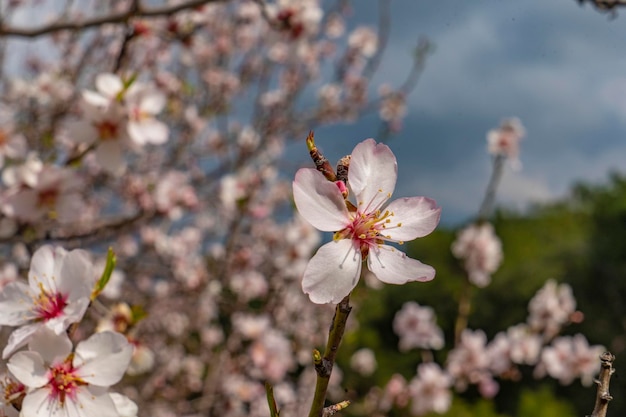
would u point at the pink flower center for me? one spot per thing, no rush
(63, 381)
(47, 198)
(367, 230)
(107, 130)
(49, 305)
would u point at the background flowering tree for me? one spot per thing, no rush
(160, 130)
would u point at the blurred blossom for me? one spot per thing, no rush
(54, 192)
(248, 285)
(119, 116)
(504, 140)
(417, 327)
(551, 308)
(173, 192)
(142, 361)
(430, 390)
(12, 143)
(392, 105)
(8, 274)
(361, 229)
(363, 361)
(518, 345)
(571, 357)
(481, 251)
(272, 355)
(364, 40)
(396, 392)
(468, 362)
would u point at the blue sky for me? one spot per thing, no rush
(559, 67)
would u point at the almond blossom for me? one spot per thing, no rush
(481, 250)
(362, 228)
(504, 140)
(571, 357)
(417, 327)
(57, 295)
(75, 383)
(430, 390)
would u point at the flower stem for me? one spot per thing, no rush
(324, 365)
(490, 193)
(465, 306)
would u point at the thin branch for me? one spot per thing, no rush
(324, 365)
(602, 395)
(123, 17)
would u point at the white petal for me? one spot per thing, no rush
(417, 217)
(92, 402)
(52, 347)
(94, 99)
(103, 358)
(152, 102)
(109, 84)
(42, 270)
(148, 131)
(19, 338)
(333, 272)
(319, 201)
(77, 277)
(124, 405)
(29, 368)
(392, 266)
(38, 403)
(109, 156)
(16, 304)
(372, 175)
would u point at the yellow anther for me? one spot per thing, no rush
(399, 224)
(401, 242)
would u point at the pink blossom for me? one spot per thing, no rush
(65, 383)
(551, 308)
(469, 362)
(481, 250)
(363, 361)
(430, 390)
(417, 327)
(571, 357)
(57, 295)
(505, 139)
(362, 228)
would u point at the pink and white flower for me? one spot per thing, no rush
(430, 390)
(64, 383)
(505, 140)
(57, 295)
(53, 192)
(481, 250)
(417, 327)
(571, 357)
(362, 228)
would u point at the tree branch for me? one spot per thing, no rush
(602, 395)
(324, 365)
(133, 12)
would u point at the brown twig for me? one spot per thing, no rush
(602, 395)
(122, 17)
